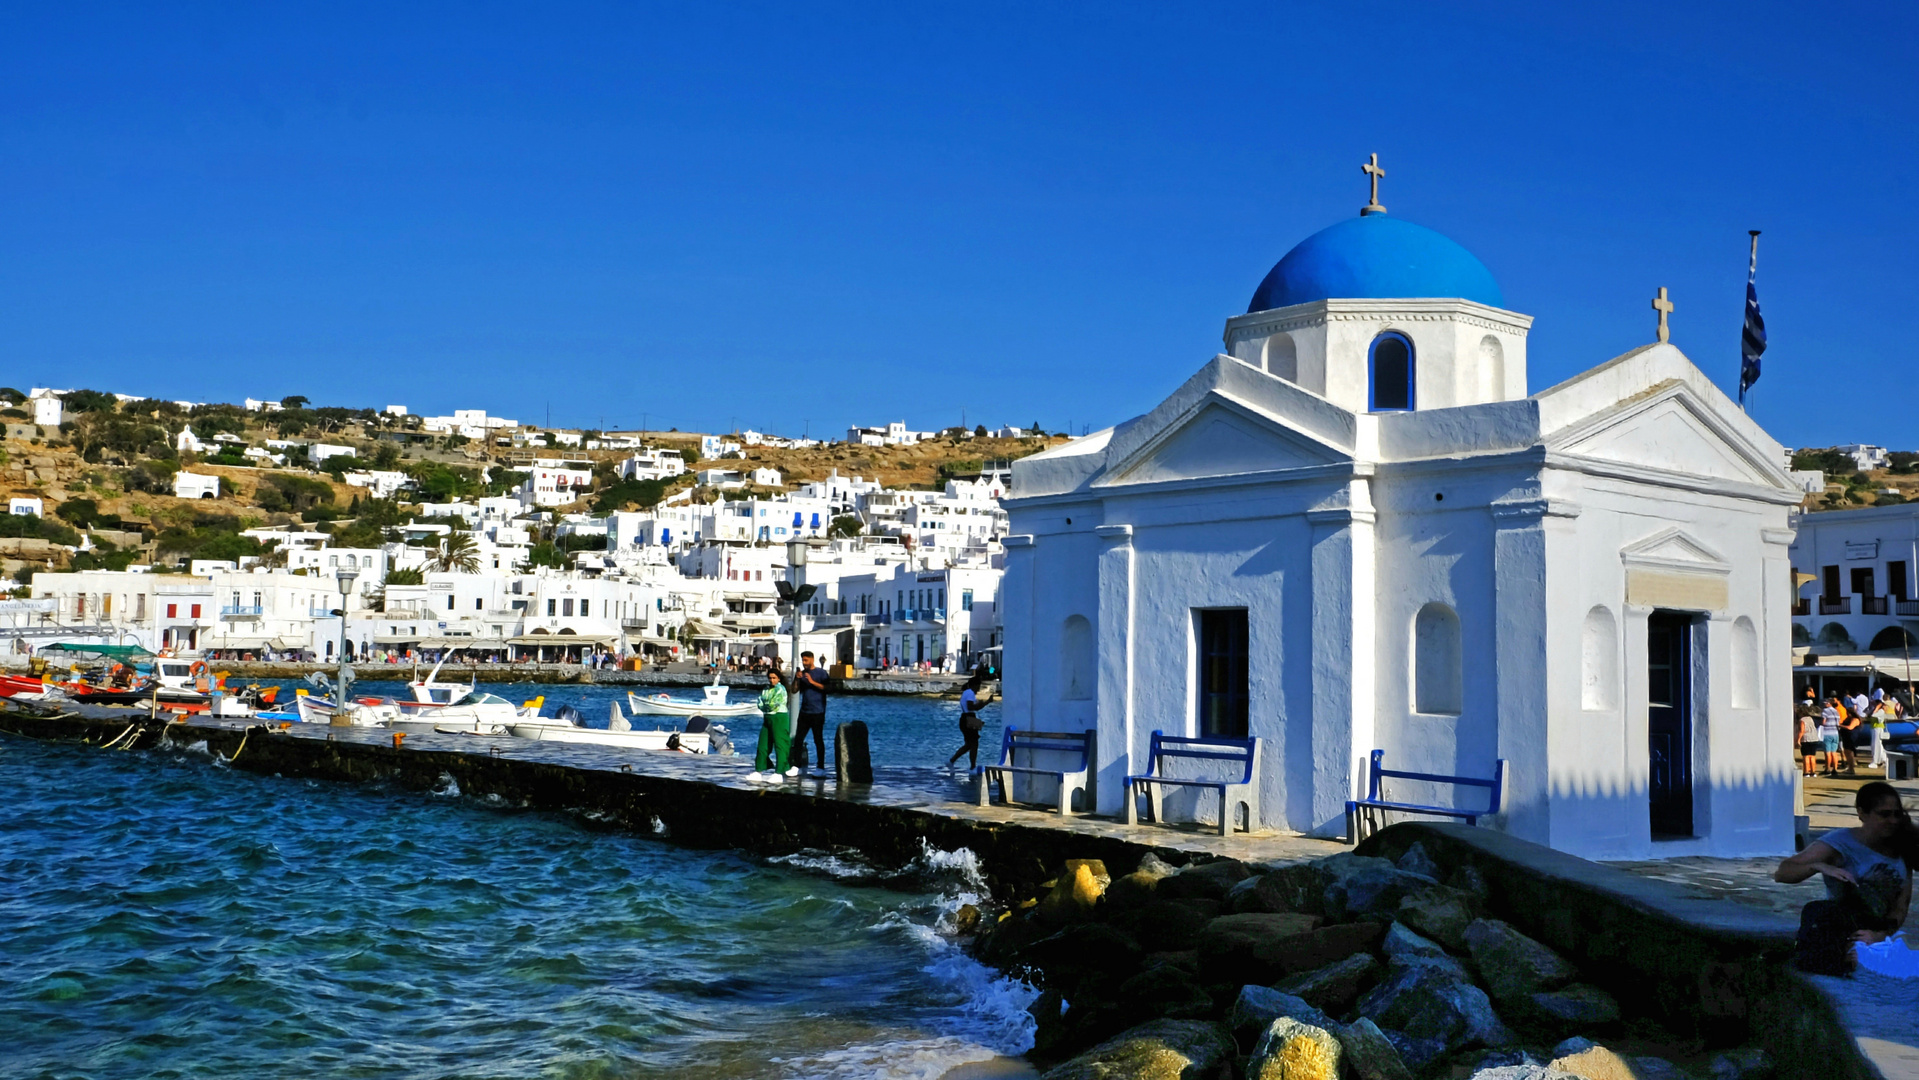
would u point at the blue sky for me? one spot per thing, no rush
(802, 216)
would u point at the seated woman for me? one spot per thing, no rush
(1868, 872)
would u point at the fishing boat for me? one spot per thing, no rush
(452, 708)
(713, 703)
(701, 736)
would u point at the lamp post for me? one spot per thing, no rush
(796, 572)
(345, 577)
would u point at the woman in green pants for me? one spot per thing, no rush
(776, 734)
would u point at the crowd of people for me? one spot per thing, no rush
(1828, 731)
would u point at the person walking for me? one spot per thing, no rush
(1829, 735)
(812, 688)
(1884, 708)
(970, 724)
(774, 756)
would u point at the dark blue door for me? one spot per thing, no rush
(1669, 721)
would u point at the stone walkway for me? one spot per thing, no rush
(929, 790)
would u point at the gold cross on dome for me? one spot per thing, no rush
(1372, 169)
(1664, 307)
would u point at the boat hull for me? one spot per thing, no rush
(642, 706)
(695, 743)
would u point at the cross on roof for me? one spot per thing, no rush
(1664, 307)
(1372, 169)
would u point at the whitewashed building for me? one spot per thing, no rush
(1357, 530)
(188, 485)
(653, 464)
(1860, 592)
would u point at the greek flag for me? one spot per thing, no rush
(1752, 342)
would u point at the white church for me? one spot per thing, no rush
(1356, 529)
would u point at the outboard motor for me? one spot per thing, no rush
(569, 714)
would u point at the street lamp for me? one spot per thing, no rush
(796, 572)
(345, 577)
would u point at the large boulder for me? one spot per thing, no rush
(1156, 1050)
(1335, 987)
(1171, 925)
(1361, 886)
(1086, 953)
(1528, 1071)
(1439, 913)
(1073, 897)
(1416, 860)
(1204, 881)
(1403, 948)
(1427, 1013)
(1368, 1054)
(1291, 1050)
(1265, 948)
(1166, 989)
(1513, 965)
(1139, 887)
(1256, 1007)
(1595, 1063)
(1580, 1005)
(1744, 1063)
(1259, 893)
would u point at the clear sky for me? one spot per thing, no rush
(792, 217)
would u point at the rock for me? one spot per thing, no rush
(1476, 1061)
(1204, 881)
(1527, 1071)
(1655, 1068)
(1513, 965)
(1073, 897)
(1745, 1063)
(1173, 925)
(1595, 1063)
(1095, 867)
(1261, 893)
(1133, 891)
(1417, 861)
(1258, 1006)
(1439, 913)
(1427, 1013)
(1157, 1050)
(1165, 989)
(1361, 885)
(1403, 947)
(1575, 1045)
(1368, 1054)
(1086, 952)
(1335, 987)
(1002, 943)
(1238, 949)
(966, 919)
(1301, 886)
(1291, 1050)
(1469, 880)
(1578, 1005)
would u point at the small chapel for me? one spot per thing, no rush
(1358, 529)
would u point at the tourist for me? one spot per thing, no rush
(1810, 745)
(775, 734)
(1849, 738)
(1829, 734)
(970, 724)
(811, 683)
(1883, 709)
(1868, 872)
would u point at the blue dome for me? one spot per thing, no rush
(1376, 257)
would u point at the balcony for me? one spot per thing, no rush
(242, 611)
(1802, 607)
(1873, 605)
(1835, 605)
(1906, 609)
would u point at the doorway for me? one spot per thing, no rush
(1669, 722)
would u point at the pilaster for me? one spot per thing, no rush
(1118, 742)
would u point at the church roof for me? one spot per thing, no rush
(1376, 257)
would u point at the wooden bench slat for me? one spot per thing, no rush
(1376, 800)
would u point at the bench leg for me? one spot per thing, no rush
(1132, 804)
(1156, 798)
(985, 776)
(1225, 813)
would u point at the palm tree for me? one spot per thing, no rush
(458, 554)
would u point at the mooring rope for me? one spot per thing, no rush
(243, 745)
(109, 744)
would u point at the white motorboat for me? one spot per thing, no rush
(712, 704)
(700, 737)
(314, 709)
(456, 709)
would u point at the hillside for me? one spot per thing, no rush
(111, 467)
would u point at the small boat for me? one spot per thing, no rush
(700, 736)
(712, 704)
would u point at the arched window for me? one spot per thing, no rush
(1745, 663)
(1438, 677)
(1392, 364)
(1282, 357)
(1599, 661)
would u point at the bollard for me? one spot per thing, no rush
(397, 737)
(853, 760)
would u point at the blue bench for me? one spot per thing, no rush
(1076, 746)
(1376, 798)
(1243, 791)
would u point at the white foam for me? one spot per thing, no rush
(898, 1059)
(813, 860)
(449, 788)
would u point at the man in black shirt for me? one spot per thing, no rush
(812, 687)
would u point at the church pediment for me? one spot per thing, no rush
(1672, 549)
(1670, 433)
(1222, 437)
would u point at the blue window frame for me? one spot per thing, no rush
(1392, 372)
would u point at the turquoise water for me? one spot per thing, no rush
(904, 731)
(162, 915)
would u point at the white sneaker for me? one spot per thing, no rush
(794, 771)
(756, 778)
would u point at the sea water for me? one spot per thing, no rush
(164, 915)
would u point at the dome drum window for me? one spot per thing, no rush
(1392, 373)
